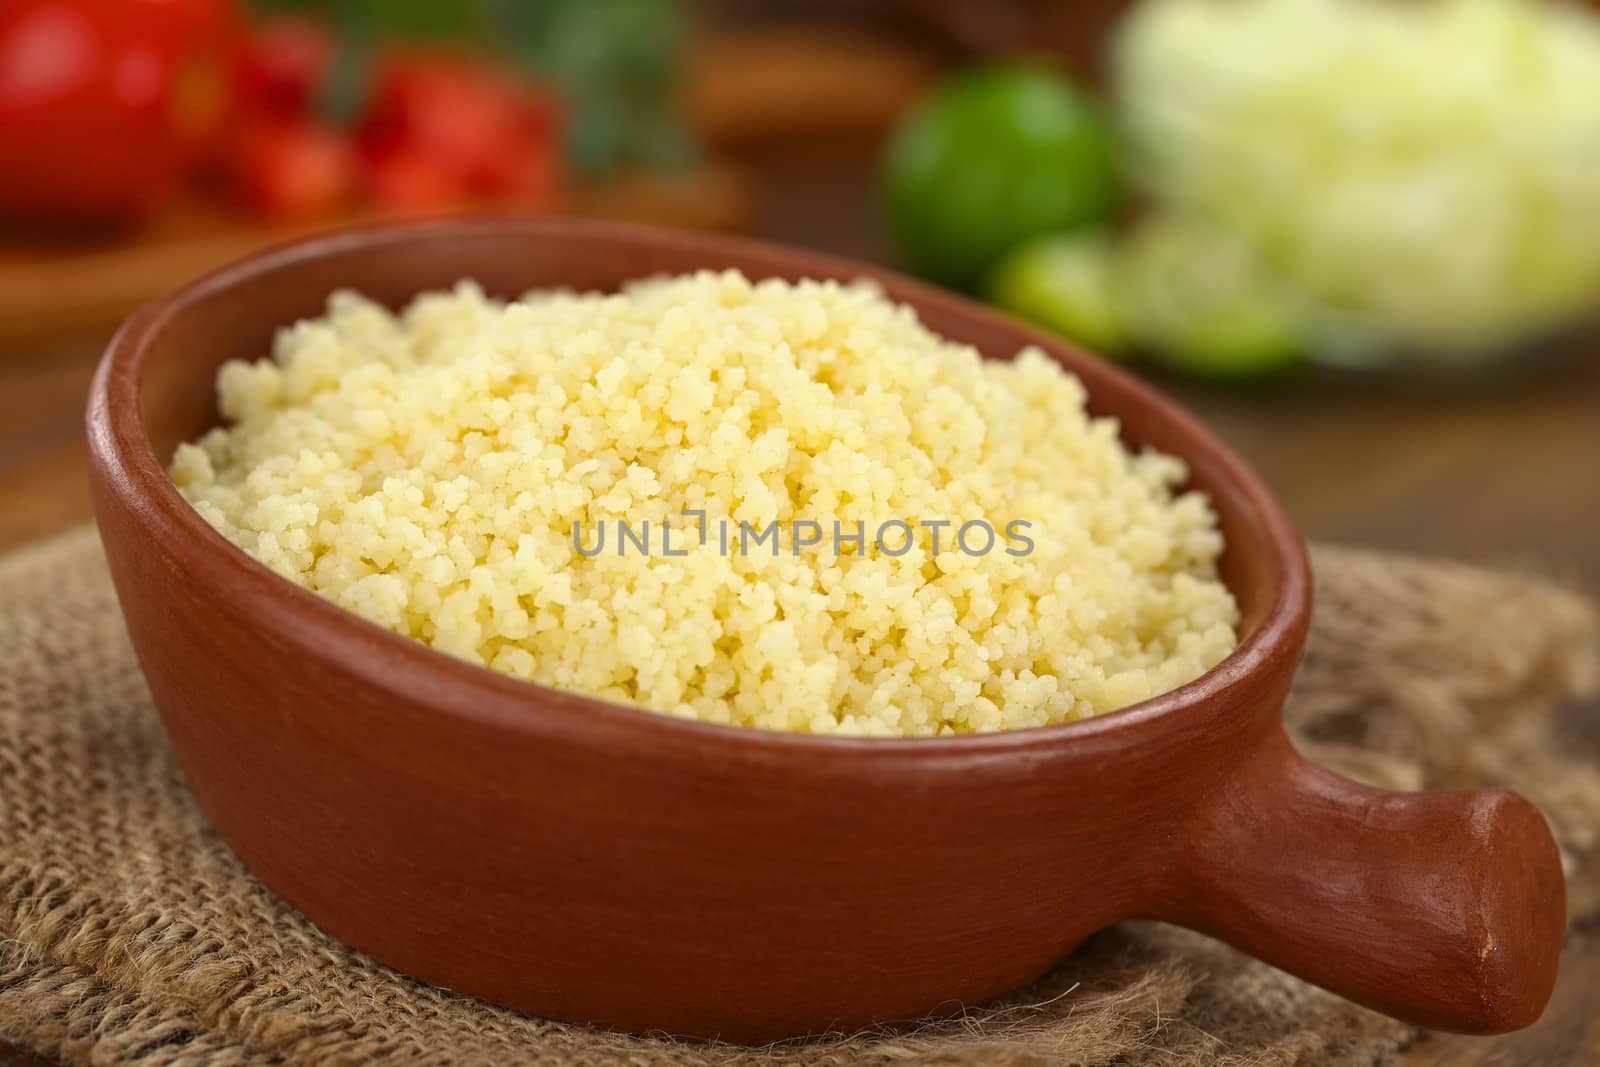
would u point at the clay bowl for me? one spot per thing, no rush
(594, 863)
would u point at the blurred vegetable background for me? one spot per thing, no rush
(1228, 189)
(1362, 182)
(298, 109)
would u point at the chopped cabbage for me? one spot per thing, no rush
(1432, 169)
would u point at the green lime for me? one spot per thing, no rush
(1066, 283)
(990, 158)
(1199, 300)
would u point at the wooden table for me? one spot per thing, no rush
(1509, 476)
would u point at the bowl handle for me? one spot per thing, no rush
(1441, 909)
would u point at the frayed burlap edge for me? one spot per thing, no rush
(129, 934)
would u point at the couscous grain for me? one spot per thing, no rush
(958, 546)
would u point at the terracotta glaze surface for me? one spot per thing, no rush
(594, 863)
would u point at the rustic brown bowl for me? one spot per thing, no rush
(594, 863)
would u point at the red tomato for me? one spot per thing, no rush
(529, 171)
(410, 182)
(294, 171)
(283, 65)
(96, 121)
(206, 36)
(195, 25)
(492, 132)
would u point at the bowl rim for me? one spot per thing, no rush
(124, 459)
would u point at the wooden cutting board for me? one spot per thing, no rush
(51, 290)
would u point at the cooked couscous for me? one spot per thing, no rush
(779, 505)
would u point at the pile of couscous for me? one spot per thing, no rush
(768, 504)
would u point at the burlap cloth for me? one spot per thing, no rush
(130, 934)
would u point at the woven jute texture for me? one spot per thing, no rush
(130, 934)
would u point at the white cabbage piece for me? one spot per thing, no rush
(1432, 168)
